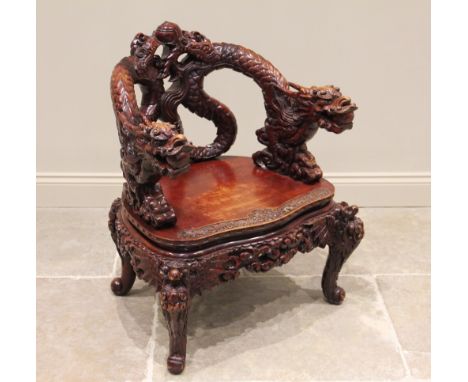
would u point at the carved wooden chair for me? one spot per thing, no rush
(185, 230)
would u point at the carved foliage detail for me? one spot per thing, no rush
(177, 280)
(263, 256)
(174, 294)
(345, 232)
(345, 229)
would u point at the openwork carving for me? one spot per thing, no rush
(150, 149)
(153, 146)
(294, 112)
(178, 280)
(264, 255)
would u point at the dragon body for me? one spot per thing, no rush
(294, 113)
(151, 134)
(149, 149)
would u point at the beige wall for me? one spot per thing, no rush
(376, 51)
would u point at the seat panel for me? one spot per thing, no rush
(231, 196)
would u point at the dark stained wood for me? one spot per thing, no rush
(230, 188)
(151, 133)
(178, 278)
(185, 224)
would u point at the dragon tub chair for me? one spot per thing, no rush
(190, 218)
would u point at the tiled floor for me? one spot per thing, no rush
(269, 327)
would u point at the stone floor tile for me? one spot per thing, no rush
(281, 329)
(85, 333)
(73, 241)
(397, 240)
(271, 328)
(419, 364)
(408, 301)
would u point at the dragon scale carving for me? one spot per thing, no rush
(149, 149)
(151, 133)
(294, 113)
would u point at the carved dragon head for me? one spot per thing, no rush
(177, 42)
(165, 148)
(160, 144)
(143, 49)
(326, 106)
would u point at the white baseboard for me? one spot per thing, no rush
(364, 189)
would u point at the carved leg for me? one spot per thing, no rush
(345, 232)
(175, 302)
(333, 293)
(122, 285)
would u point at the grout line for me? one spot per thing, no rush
(259, 274)
(150, 347)
(400, 274)
(403, 379)
(389, 318)
(416, 351)
(115, 265)
(113, 273)
(73, 277)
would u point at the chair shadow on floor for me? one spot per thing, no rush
(231, 311)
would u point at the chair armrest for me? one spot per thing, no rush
(150, 149)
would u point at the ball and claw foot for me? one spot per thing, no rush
(175, 364)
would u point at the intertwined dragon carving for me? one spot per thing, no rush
(294, 113)
(149, 148)
(151, 133)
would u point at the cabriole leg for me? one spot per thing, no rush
(122, 285)
(345, 232)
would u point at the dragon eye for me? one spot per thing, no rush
(324, 94)
(198, 37)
